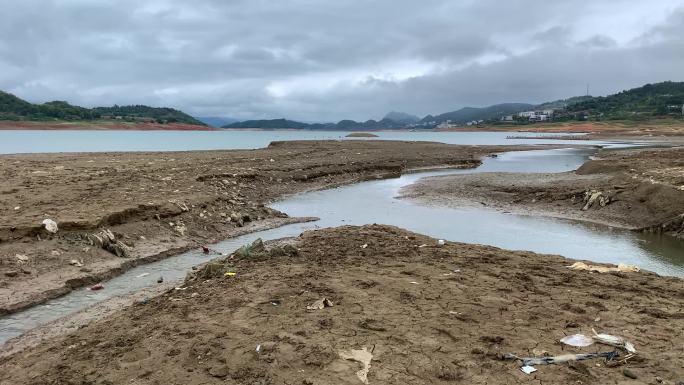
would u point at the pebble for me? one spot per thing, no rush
(219, 371)
(629, 373)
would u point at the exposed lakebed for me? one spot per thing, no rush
(374, 202)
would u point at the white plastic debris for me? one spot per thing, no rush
(320, 304)
(50, 225)
(615, 341)
(528, 369)
(578, 340)
(76, 262)
(364, 245)
(441, 242)
(621, 268)
(364, 357)
(22, 258)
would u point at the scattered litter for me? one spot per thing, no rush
(75, 262)
(532, 361)
(179, 288)
(364, 357)
(50, 225)
(414, 282)
(258, 348)
(205, 250)
(364, 245)
(528, 369)
(320, 304)
(230, 274)
(441, 242)
(22, 258)
(17, 207)
(96, 287)
(615, 341)
(142, 275)
(622, 268)
(421, 246)
(581, 340)
(578, 340)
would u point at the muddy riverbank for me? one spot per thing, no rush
(117, 210)
(420, 312)
(640, 189)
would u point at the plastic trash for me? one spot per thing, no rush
(532, 361)
(230, 274)
(441, 242)
(578, 340)
(621, 268)
(364, 357)
(615, 341)
(528, 369)
(320, 304)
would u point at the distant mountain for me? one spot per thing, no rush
(342, 125)
(270, 124)
(401, 117)
(468, 114)
(216, 121)
(14, 108)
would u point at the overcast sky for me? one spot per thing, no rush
(327, 60)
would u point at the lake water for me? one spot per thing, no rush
(29, 141)
(374, 202)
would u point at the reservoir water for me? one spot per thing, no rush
(29, 141)
(375, 202)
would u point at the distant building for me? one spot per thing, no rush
(507, 118)
(537, 116)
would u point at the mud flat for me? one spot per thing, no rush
(117, 210)
(640, 189)
(422, 314)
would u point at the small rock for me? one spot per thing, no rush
(629, 373)
(268, 346)
(11, 273)
(22, 258)
(50, 226)
(160, 280)
(219, 371)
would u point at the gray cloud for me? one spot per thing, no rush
(324, 61)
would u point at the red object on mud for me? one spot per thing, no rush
(97, 287)
(205, 249)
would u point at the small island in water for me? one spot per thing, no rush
(361, 135)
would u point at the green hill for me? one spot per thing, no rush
(651, 100)
(468, 114)
(14, 108)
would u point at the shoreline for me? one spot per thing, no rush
(635, 189)
(225, 202)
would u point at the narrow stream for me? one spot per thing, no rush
(374, 202)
